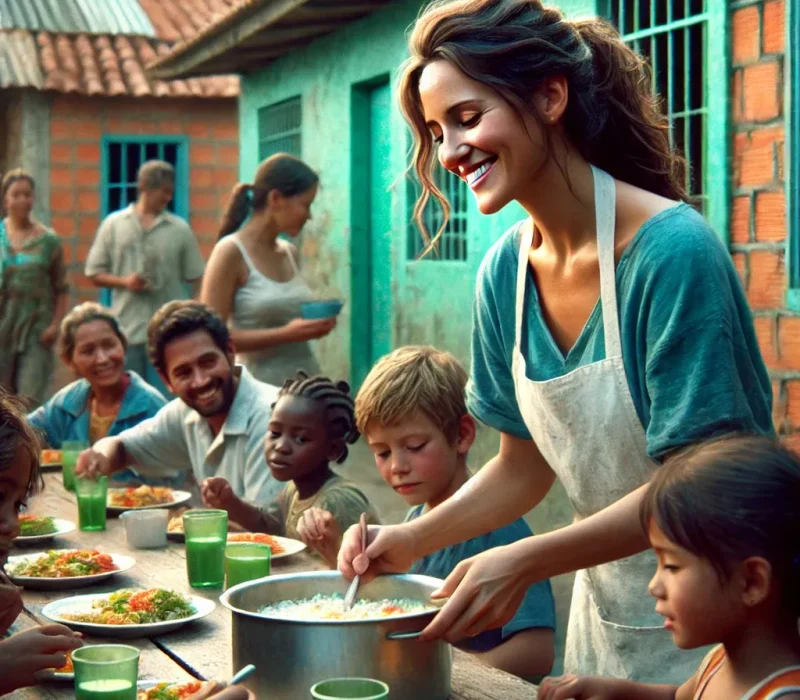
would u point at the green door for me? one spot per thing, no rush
(371, 241)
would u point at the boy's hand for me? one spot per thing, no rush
(217, 493)
(320, 531)
(92, 464)
(578, 688)
(390, 549)
(25, 654)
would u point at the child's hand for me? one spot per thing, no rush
(217, 493)
(320, 531)
(10, 603)
(578, 688)
(24, 654)
(213, 691)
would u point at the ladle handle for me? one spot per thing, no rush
(397, 636)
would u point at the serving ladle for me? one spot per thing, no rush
(352, 591)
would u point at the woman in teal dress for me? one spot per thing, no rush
(33, 291)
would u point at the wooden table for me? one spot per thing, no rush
(200, 649)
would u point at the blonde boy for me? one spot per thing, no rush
(411, 409)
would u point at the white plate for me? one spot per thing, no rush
(289, 545)
(83, 603)
(178, 496)
(124, 563)
(62, 528)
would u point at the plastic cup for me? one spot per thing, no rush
(70, 449)
(106, 672)
(246, 561)
(205, 532)
(92, 497)
(350, 689)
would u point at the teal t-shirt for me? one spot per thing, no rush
(689, 348)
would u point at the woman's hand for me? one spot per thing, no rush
(320, 531)
(25, 654)
(217, 493)
(49, 335)
(301, 329)
(390, 549)
(484, 592)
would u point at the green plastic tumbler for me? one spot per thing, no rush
(92, 496)
(350, 689)
(106, 672)
(205, 532)
(70, 449)
(246, 561)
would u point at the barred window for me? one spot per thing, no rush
(279, 129)
(452, 245)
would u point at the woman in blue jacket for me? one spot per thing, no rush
(106, 399)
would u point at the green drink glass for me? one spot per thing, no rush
(246, 561)
(70, 449)
(205, 532)
(92, 495)
(350, 689)
(106, 672)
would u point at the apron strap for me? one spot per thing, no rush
(605, 214)
(605, 202)
(526, 239)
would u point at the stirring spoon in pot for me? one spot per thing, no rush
(350, 596)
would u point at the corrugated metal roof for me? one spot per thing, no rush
(76, 16)
(92, 64)
(19, 61)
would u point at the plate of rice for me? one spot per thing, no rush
(128, 613)
(60, 569)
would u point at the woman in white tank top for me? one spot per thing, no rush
(253, 278)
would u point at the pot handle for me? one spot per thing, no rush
(392, 636)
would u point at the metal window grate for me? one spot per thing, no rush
(124, 158)
(452, 244)
(673, 36)
(279, 129)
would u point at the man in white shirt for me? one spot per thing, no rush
(215, 427)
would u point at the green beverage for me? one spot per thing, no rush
(205, 532)
(92, 496)
(246, 561)
(70, 450)
(351, 688)
(106, 672)
(106, 690)
(92, 513)
(205, 562)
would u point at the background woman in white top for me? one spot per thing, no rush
(253, 279)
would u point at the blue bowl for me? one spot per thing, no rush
(321, 309)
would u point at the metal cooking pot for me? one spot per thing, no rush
(292, 655)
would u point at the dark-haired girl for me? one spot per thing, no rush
(24, 654)
(311, 425)
(723, 520)
(610, 326)
(253, 277)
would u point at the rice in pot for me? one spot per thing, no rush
(331, 607)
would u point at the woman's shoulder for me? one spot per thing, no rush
(146, 393)
(499, 264)
(677, 236)
(71, 398)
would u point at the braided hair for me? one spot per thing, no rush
(339, 406)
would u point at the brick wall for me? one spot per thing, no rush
(77, 125)
(76, 128)
(758, 209)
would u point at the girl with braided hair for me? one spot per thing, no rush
(312, 423)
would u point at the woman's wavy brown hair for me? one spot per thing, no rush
(612, 119)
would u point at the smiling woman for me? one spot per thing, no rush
(105, 400)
